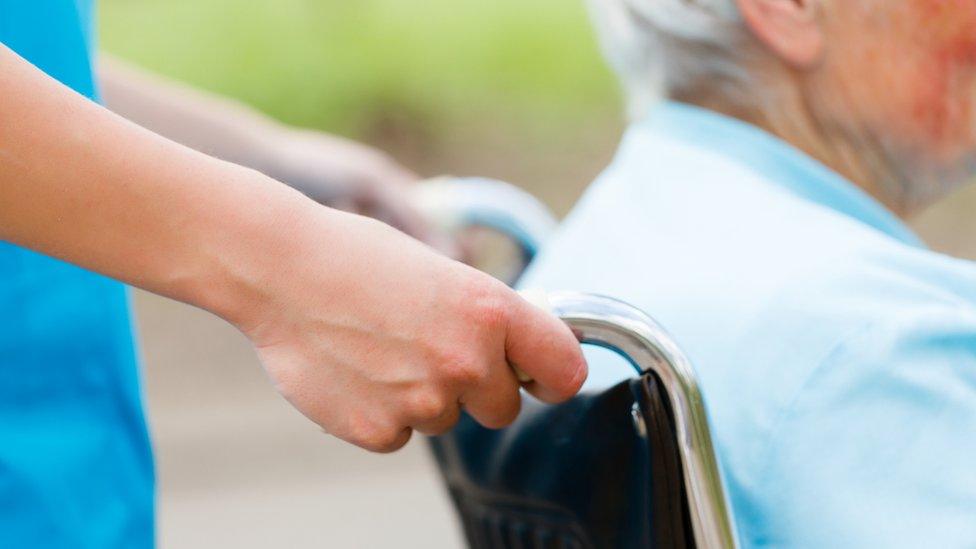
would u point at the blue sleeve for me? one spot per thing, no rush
(879, 447)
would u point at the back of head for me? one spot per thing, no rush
(672, 48)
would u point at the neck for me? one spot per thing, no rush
(786, 113)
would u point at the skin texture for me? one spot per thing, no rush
(364, 330)
(880, 90)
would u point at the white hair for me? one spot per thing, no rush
(673, 47)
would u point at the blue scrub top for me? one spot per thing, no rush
(75, 463)
(837, 355)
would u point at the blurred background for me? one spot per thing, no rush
(512, 89)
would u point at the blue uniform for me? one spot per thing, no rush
(837, 354)
(75, 463)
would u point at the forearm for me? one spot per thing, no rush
(214, 125)
(84, 185)
(367, 332)
(324, 167)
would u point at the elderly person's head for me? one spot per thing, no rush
(883, 91)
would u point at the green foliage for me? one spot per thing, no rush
(351, 65)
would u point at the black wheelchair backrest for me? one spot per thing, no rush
(631, 466)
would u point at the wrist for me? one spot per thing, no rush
(249, 250)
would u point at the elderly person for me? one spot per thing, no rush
(756, 209)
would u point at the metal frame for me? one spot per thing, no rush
(454, 203)
(605, 322)
(619, 327)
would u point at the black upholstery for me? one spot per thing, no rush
(576, 475)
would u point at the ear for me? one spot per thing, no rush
(789, 28)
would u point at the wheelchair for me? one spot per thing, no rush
(629, 466)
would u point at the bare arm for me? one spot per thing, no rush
(329, 169)
(365, 331)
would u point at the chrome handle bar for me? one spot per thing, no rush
(454, 204)
(619, 327)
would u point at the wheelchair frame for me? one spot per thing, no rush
(635, 336)
(605, 322)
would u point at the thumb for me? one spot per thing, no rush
(543, 349)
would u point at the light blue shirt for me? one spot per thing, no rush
(837, 354)
(76, 469)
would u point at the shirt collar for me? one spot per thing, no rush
(781, 163)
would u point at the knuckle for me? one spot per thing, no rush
(509, 414)
(464, 369)
(444, 423)
(493, 313)
(369, 435)
(504, 414)
(390, 443)
(486, 303)
(382, 442)
(427, 405)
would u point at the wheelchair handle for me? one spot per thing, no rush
(619, 327)
(453, 204)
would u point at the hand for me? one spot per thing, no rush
(365, 330)
(348, 176)
(372, 335)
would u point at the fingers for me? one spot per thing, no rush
(377, 439)
(492, 398)
(495, 401)
(544, 348)
(392, 444)
(439, 424)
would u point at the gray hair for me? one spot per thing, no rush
(673, 48)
